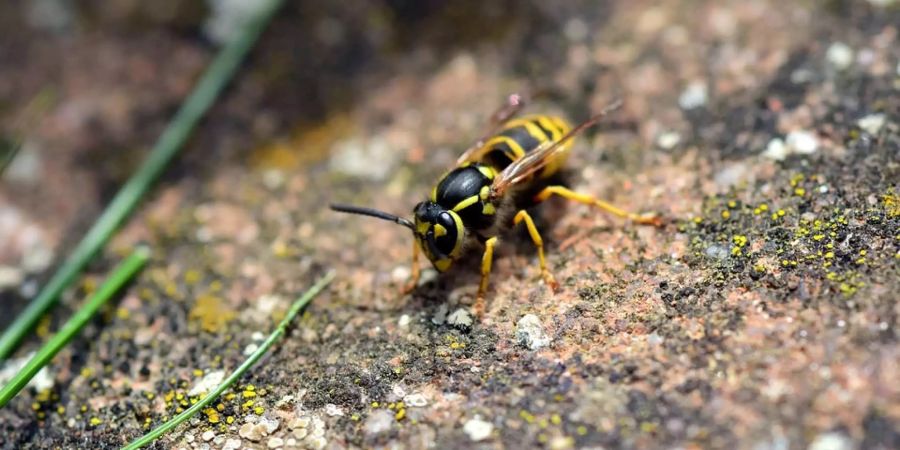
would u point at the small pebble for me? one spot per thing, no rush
(872, 123)
(333, 410)
(440, 316)
(802, 142)
(831, 441)
(273, 179)
(232, 444)
(275, 442)
(668, 140)
(717, 252)
(776, 150)
(415, 400)
(530, 332)
(10, 277)
(251, 431)
(400, 274)
(404, 321)
(460, 318)
(477, 429)
(270, 424)
(250, 348)
(207, 383)
(694, 96)
(208, 435)
(378, 422)
(839, 55)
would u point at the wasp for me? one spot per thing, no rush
(512, 167)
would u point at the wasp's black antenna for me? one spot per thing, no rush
(350, 209)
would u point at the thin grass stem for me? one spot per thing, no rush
(120, 275)
(298, 306)
(172, 139)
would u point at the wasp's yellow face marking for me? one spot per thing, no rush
(440, 234)
(488, 209)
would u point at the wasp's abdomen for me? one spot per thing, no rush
(520, 136)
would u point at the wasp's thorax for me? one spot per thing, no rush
(440, 233)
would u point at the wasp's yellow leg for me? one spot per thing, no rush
(486, 260)
(539, 243)
(590, 200)
(415, 272)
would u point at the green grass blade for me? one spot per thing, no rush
(120, 275)
(298, 305)
(172, 139)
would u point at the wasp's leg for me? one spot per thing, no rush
(414, 276)
(486, 260)
(539, 243)
(590, 200)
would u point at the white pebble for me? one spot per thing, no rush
(477, 429)
(415, 400)
(839, 55)
(208, 435)
(776, 150)
(10, 277)
(530, 332)
(232, 444)
(378, 422)
(668, 140)
(460, 318)
(872, 123)
(694, 96)
(249, 349)
(275, 442)
(404, 321)
(831, 441)
(273, 179)
(207, 383)
(802, 142)
(333, 410)
(400, 274)
(270, 424)
(440, 316)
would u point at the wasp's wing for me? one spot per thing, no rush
(536, 159)
(513, 106)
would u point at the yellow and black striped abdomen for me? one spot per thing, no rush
(520, 136)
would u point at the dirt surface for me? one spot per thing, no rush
(763, 315)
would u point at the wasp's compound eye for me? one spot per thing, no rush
(445, 233)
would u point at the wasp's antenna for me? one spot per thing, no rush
(350, 209)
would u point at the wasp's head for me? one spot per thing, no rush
(440, 233)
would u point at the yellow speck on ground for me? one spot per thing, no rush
(891, 203)
(211, 312)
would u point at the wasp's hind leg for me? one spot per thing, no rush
(414, 268)
(590, 200)
(539, 243)
(486, 260)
